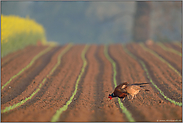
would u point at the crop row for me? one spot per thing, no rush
(113, 63)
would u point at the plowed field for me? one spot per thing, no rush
(72, 83)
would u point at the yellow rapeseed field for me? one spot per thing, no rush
(14, 25)
(18, 32)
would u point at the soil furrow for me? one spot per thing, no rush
(148, 103)
(17, 64)
(71, 99)
(178, 44)
(80, 108)
(88, 101)
(67, 69)
(46, 100)
(121, 72)
(173, 59)
(112, 111)
(60, 89)
(45, 92)
(88, 108)
(173, 91)
(115, 113)
(89, 96)
(169, 74)
(173, 46)
(35, 82)
(99, 90)
(17, 54)
(20, 83)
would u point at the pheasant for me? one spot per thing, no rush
(125, 89)
(133, 90)
(119, 91)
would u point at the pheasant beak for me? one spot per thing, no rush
(110, 97)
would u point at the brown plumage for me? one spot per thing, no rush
(125, 89)
(119, 91)
(133, 90)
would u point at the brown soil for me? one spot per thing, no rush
(174, 59)
(91, 102)
(174, 46)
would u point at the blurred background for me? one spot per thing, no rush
(102, 22)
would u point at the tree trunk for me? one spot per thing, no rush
(141, 28)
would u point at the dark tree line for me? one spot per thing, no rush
(164, 25)
(141, 27)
